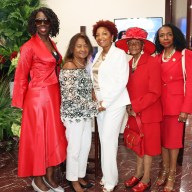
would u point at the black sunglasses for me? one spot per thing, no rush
(42, 21)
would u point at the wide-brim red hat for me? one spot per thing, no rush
(136, 33)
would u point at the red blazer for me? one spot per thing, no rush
(38, 62)
(173, 99)
(144, 87)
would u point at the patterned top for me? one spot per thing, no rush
(76, 95)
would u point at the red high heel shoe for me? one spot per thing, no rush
(132, 181)
(141, 187)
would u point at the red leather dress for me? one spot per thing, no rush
(36, 90)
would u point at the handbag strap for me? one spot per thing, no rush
(183, 67)
(138, 120)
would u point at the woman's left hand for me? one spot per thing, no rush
(183, 117)
(101, 108)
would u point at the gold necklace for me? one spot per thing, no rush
(82, 65)
(103, 56)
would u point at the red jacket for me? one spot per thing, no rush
(37, 62)
(144, 87)
(173, 99)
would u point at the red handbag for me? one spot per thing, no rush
(133, 135)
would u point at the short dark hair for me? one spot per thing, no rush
(70, 50)
(179, 40)
(54, 21)
(107, 24)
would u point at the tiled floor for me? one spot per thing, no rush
(9, 182)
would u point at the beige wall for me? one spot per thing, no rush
(76, 13)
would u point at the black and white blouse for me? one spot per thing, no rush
(76, 95)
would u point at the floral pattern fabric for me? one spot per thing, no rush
(76, 95)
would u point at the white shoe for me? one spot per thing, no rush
(57, 189)
(37, 188)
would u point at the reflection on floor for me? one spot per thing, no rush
(9, 182)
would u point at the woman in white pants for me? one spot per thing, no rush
(110, 75)
(77, 109)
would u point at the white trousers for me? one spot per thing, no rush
(109, 124)
(79, 144)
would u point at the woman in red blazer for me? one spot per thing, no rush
(144, 87)
(42, 144)
(176, 98)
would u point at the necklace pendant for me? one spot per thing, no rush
(103, 56)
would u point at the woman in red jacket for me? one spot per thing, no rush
(144, 87)
(42, 144)
(176, 98)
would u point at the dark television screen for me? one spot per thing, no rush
(150, 24)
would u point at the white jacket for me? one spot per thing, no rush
(113, 76)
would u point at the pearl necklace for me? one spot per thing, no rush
(168, 57)
(82, 65)
(134, 63)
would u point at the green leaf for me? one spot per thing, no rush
(8, 115)
(14, 16)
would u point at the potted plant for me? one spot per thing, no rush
(13, 33)
(10, 117)
(13, 30)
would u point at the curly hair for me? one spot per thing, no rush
(69, 53)
(54, 21)
(179, 40)
(107, 24)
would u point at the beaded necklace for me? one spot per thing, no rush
(168, 57)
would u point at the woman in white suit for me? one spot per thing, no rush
(110, 75)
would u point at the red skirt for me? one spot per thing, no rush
(152, 139)
(171, 132)
(42, 143)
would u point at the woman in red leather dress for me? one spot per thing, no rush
(176, 104)
(144, 88)
(42, 143)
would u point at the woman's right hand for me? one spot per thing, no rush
(183, 117)
(130, 110)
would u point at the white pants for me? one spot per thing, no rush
(79, 143)
(109, 124)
